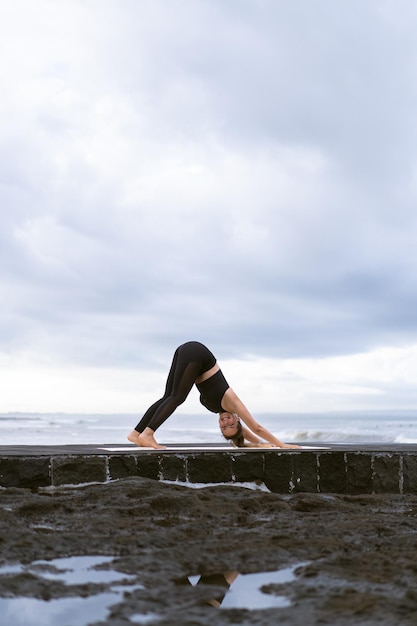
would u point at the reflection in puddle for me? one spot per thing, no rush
(6, 570)
(71, 611)
(244, 591)
(77, 570)
(33, 612)
(232, 590)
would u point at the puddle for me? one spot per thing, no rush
(78, 570)
(254, 486)
(244, 591)
(44, 528)
(6, 570)
(233, 590)
(68, 611)
(145, 618)
(74, 570)
(73, 611)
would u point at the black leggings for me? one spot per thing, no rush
(190, 361)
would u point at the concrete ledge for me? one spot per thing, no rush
(354, 469)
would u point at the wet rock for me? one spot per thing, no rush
(355, 554)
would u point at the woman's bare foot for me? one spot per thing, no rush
(133, 437)
(147, 440)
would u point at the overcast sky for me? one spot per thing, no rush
(239, 172)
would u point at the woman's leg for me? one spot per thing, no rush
(144, 422)
(183, 381)
(181, 378)
(134, 435)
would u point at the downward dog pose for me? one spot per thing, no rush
(193, 363)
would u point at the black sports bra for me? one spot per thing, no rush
(212, 391)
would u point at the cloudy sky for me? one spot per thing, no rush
(239, 172)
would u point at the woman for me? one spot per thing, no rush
(193, 363)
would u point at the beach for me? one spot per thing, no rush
(347, 559)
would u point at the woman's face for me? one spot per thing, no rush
(228, 423)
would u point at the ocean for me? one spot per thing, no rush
(333, 427)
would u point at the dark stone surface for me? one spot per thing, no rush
(174, 467)
(386, 474)
(148, 466)
(359, 473)
(410, 473)
(332, 472)
(278, 472)
(352, 557)
(26, 472)
(122, 466)
(209, 468)
(304, 473)
(340, 469)
(74, 470)
(247, 467)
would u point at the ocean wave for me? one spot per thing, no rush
(402, 439)
(354, 436)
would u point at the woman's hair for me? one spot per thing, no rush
(237, 439)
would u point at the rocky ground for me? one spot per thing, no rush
(354, 556)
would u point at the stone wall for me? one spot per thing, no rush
(333, 471)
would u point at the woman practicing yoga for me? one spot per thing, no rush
(193, 363)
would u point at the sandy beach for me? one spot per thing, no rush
(352, 557)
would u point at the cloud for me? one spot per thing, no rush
(240, 173)
(379, 380)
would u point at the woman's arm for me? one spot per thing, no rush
(253, 441)
(249, 436)
(232, 403)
